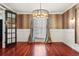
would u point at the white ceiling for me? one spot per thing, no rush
(55, 8)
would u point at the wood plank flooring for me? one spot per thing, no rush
(39, 49)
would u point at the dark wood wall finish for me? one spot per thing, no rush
(55, 21)
(24, 21)
(20, 21)
(65, 20)
(77, 24)
(69, 19)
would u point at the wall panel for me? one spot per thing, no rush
(24, 21)
(69, 19)
(77, 25)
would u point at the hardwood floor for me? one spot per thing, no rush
(39, 49)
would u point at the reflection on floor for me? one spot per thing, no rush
(39, 50)
(36, 49)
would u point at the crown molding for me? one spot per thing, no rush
(31, 12)
(2, 8)
(69, 7)
(9, 8)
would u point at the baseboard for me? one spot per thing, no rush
(40, 42)
(72, 47)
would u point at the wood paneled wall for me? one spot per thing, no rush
(77, 24)
(24, 21)
(59, 22)
(19, 21)
(65, 20)
(55, 21)
(68, 18)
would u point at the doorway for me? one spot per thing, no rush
(0, 33)
(10, 26)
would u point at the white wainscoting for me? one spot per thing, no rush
(69, 39)
(56, 35)
(22, 35)
(66, 36)
(62, 35)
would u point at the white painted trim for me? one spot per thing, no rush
(8, 7)
(23, 35)
(2, 8)
(69, 7)
(31, 13)
(77, 6)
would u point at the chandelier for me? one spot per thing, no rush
(40, 13)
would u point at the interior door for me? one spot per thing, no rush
(0, 33)
(10, 28)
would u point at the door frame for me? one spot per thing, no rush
(12, 44)
(2, 33)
